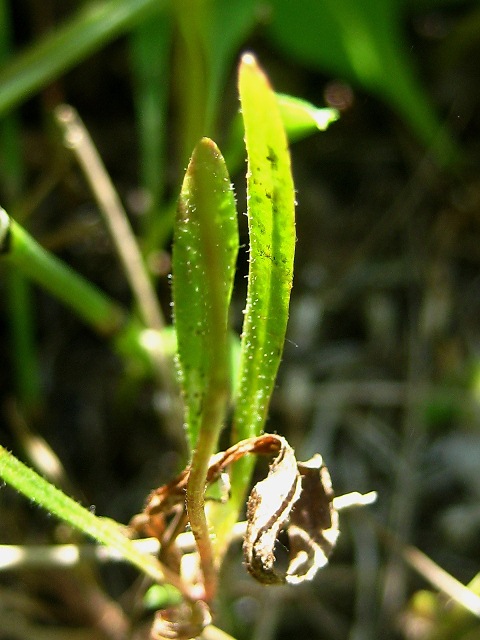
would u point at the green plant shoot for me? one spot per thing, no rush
(204, 257)
(57, 503)
(271, 223)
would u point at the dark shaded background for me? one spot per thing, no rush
(380, 372)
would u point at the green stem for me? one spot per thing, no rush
(23, 348)
(19, 249)
(104, 530)
(20, 311)
(216, 397)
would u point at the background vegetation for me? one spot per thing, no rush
(380, 372)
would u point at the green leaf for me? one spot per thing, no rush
(230, 24)
(152, 40)
(104, 530)
(92, 27)
(161, 596)
(301, 118)
(271, 223)
(362, 42)
(204, 257)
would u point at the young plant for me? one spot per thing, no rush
(204, 258)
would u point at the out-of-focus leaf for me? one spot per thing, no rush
(364, 43)
(301, 118)
(230, 25)
(92, 27)
(150, 45)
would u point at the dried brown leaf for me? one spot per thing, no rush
(313, 528)
(298, 497)
(268, 510)
(295, 496)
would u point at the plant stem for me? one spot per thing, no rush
(215, 402)
(104, 530)
(19, 249)
(77, 138)
(20, 310)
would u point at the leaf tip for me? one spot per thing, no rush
(249, 60)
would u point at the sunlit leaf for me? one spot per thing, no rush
(271, 223)
(204, 257)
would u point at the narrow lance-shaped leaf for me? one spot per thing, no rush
(271, 221)
(204, 256)
(300, 120)
(104, 530)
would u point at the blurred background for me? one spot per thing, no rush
(381, 371)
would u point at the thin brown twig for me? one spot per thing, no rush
(441, 579)
(77, 138)
(68, 555)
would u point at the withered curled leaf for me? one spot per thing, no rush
(297, 497)
(167, 498)
(313, 528)
(268, 509)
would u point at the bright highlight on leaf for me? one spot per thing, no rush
(301, 118)
(271, 223)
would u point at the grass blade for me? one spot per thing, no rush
(89, 29)
(105, 531)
